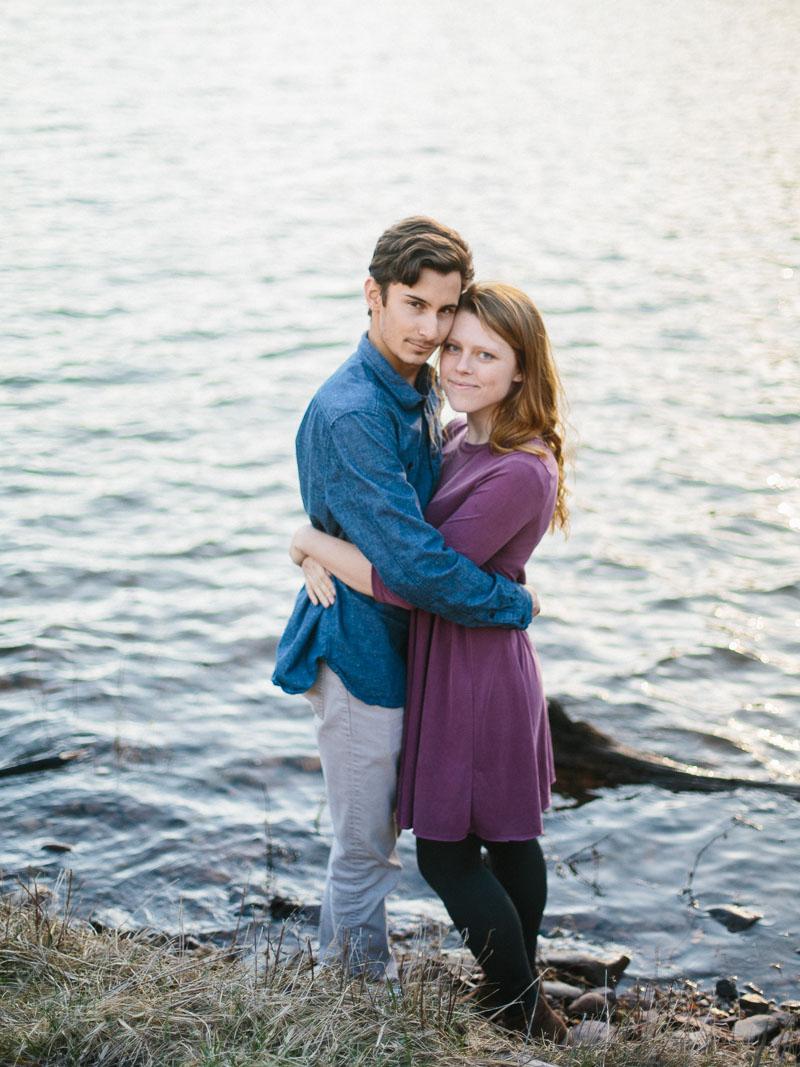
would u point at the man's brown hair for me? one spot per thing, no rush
(410, 245)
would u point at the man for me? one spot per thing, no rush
(368, 458)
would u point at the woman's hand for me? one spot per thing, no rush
(333, 555)
(319, 585)
(296, 553)
(537, 607)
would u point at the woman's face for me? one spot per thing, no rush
(476, 368)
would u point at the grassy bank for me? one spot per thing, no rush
(72, 995)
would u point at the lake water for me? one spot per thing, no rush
(190, 195)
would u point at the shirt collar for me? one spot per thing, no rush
(407, 395)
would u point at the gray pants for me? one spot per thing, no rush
(359, 746)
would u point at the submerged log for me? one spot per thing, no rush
(588, 759)
(45, 763)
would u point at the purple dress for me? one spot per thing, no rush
(477, 756)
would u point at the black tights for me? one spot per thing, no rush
(497, 907)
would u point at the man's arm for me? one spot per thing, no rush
(327, 555)
(377, 508)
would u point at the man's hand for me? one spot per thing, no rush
(537, 607)
(319, 586)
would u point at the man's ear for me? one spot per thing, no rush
(372, 291)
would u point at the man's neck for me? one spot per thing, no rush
(409, 373)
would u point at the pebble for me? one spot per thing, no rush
(788, 1040)
(756, 1028)
(754, 1004)
(785, 1019)
(589, 1032)
(594, 1004)
(734, 918)
(561, 991)
(726, 989)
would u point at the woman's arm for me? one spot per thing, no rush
(341, 558)
(318, 553)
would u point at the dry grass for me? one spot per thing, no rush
(71, 996)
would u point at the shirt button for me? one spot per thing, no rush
(491, 614)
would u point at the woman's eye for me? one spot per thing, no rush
(485, 356)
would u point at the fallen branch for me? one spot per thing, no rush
(45, 763)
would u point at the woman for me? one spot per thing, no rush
(477, 761)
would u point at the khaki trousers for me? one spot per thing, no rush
(359, 747)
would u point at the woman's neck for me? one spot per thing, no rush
(478, 430)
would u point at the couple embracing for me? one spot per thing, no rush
(409, 638)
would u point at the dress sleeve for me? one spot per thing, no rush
(382, 592)
(378, 510)
(515, 492)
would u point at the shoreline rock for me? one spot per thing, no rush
(581, 982)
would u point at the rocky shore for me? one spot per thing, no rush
(582, 983)
(72, 993)
(583, 986)
(724, 1015)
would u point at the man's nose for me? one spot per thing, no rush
(429, 324)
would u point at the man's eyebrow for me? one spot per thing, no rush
(421, 300)
(415, 296)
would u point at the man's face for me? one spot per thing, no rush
(414, 320)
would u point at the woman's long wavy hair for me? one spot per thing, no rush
(534, 407)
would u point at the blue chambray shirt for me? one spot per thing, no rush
(368, 457)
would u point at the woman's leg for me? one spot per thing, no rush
(485, 913)
(520, 868)
(481, 909)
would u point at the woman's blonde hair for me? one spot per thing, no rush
(535, 406)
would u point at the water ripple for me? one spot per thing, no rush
(192, 222)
